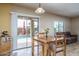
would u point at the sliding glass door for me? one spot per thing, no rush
(24, 31)
(23, 28)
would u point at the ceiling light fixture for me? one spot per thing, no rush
(40, 10)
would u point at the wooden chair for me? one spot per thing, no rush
(42, 36)
(39, 36)
(59, 45)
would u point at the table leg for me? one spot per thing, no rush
(45, 49)
(32, 47)
(38, 49)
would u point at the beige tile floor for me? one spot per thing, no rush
(72, 50)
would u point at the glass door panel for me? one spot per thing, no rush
(36, 28)
(23, 32)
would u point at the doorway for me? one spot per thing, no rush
(23, 28)
(24, 31)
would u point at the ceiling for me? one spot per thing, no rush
(63, 9)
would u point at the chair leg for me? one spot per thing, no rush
(64, 52)
(49, 52)
(54, 53)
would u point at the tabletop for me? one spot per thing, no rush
(48, 40)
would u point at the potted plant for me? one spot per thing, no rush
(4, 36)
(46, 31)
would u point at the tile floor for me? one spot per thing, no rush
(72, 50)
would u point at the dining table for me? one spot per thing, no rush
(45, 44)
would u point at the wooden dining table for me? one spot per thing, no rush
(45, 44)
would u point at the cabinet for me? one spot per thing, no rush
(5, 46)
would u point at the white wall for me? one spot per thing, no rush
(46, 20)
(75, 26)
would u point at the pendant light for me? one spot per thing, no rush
(39, 10)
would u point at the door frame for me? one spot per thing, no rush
(14, 16)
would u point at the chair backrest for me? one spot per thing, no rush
(60, 39)
(59, 45)
(59, 34)
(67, 34)
(42, 35)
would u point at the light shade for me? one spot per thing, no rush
(39, 10)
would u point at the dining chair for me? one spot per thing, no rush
(59, 45)
(42, 36)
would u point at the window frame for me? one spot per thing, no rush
(58, 26)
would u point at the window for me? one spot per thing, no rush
(58, 26)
